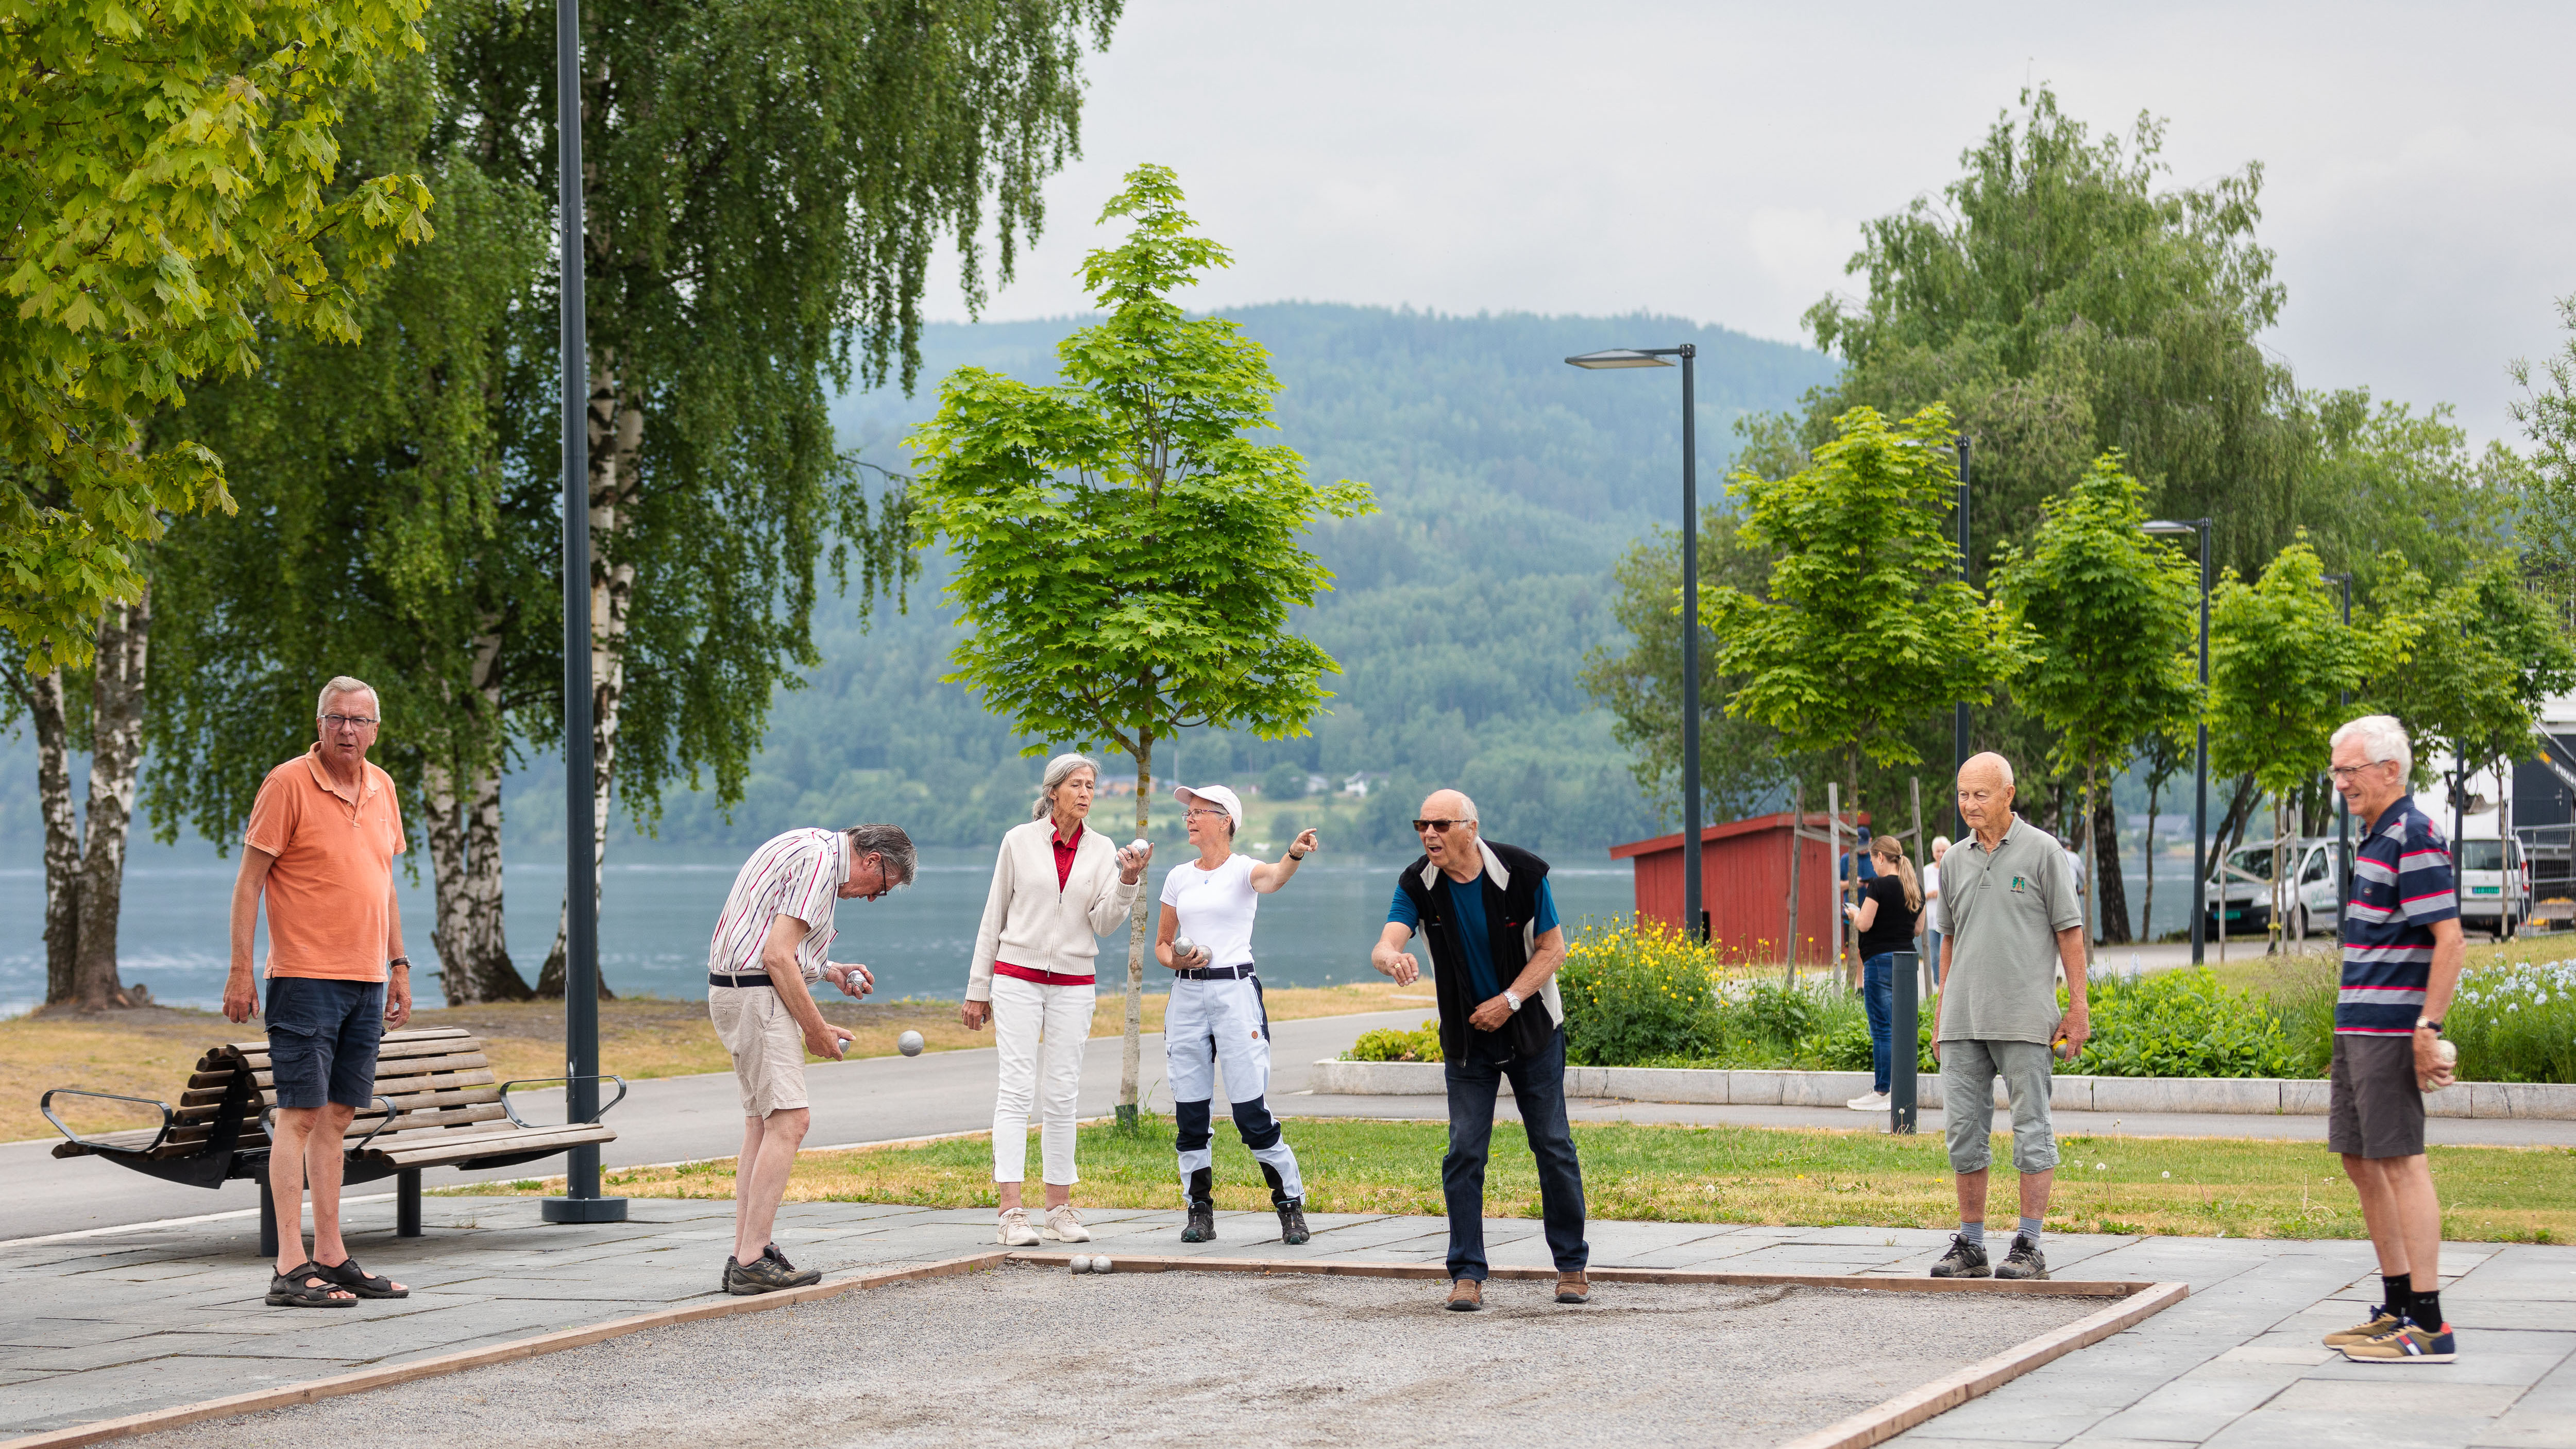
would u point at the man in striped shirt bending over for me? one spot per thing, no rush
(2401, 959)
(769, 948)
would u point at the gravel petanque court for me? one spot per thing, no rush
(1203, 1359)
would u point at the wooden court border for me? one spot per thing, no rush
(2134, 1301)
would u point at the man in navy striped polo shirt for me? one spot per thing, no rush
(2401, 959)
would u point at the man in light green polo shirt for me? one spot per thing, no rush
(2015, 918)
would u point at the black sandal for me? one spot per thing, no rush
(289, 1290)
(357, 1280)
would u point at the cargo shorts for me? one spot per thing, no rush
(1968, 1072)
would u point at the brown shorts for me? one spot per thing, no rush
(768, 1047)
(2373, 1107)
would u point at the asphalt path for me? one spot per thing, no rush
(678, 1119)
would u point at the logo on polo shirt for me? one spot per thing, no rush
(2020, 883)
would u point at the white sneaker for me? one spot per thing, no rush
(1065, 1225)
(1015, 1231)
(1868, 1102)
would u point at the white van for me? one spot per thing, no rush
(2495, 885)
(2242, 895)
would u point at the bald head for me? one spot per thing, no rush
(1986, 795)
(1451, 847)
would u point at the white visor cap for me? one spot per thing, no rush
(1216, 795)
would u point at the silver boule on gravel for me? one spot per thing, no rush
(1077, 1264)
(1100, 1263)
(909, 1043)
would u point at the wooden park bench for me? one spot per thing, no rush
(437, 1104)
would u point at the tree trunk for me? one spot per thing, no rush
(2147, 858)
(1130, 1055)
(2110, 890)
(116, 757)
(465, 849)
(616, 439)
(2276, 928)
(45, 702)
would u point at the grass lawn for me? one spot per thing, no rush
(149, 1052)
(2160, 1185)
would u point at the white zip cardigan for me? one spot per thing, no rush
(1029, 922)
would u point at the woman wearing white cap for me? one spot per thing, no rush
(1058, 887)
(1215, 1014)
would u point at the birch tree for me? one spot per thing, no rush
(1126, 558)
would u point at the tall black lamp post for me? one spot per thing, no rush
(1692, 923)
(1959, 718)
(2176, 528)
(581, 1202)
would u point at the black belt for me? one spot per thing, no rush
(1215, 973)
(738, 978)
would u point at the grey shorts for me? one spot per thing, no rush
(1968, 1072)
(2373, 1107)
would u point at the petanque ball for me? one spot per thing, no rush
(1141, 846)
(909, 1043)
(1100, 1264)
(1183, 948)
(1077, 1264)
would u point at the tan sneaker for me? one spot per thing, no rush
(1015, 1231)
(1466, 1295)
(1065, 1225)
(2381, 1321)
(1573, 1288)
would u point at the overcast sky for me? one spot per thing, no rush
(1715, 160)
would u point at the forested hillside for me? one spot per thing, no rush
(1508, 483)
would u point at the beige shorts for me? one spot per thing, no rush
(768, 1047)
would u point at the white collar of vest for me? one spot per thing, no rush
(1493, 866)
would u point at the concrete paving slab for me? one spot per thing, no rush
(2523, 1429)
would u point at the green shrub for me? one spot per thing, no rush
(1394, 1044)
(1638, 994)
(2182, 1024)
(1843, 1046)
(2515, 1023)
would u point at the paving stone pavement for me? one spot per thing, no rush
(99, 1325)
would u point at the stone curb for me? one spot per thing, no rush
(2257, 1096)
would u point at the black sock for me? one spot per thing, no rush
(2400, 1291)
(2426, 1310)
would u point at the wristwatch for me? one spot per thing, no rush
(402, 961)
(2423, 1022)
(1514, 1000)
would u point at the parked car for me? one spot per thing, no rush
(2492, 896)
(2242, 895)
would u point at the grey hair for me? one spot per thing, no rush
(344, 684)
(891, 847)
(2382, 736)
(1059, 770)
(1940, 842)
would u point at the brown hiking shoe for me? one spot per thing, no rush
(1573, 1288)
(1466, 1295)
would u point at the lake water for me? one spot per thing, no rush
(658, 905)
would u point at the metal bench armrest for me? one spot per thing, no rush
(593, 1120)
(45, 1104)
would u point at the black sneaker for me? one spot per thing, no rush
(2024, 1261)
(1201, 1227)
(1964, 1260)
(803, 1276)
(763, 1275)
(1292, 1222)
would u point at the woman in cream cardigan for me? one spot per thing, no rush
(1058, 887)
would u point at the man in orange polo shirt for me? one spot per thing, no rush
(321, 843)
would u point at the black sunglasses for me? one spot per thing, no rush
(1442, 826)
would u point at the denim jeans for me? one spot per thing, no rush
(1878, 992)
(1538, 1088)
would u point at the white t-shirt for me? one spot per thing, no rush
(1215, 908)
(1932, 897)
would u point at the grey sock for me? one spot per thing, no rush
(1973, 1233)
(2030, 1230)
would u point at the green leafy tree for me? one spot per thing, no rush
(1126, 558)
(2280, 661)
(164, 175)
(2109, 622)
(1864, 628)
(2547, 412)
(2391, 487)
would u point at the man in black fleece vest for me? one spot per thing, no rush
(1490, 921)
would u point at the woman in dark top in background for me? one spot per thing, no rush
(1885, 919)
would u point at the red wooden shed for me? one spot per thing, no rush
(1744, 885)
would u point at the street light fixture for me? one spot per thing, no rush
(1618, 357)
(2176, 528)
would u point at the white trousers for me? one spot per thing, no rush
(1040, 1032)
(1208, 1024)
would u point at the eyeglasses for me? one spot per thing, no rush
(2341, 773)
(1442, 826)
(360, 721)
(1221, 814)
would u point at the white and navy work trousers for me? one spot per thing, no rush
(1209, 1024)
